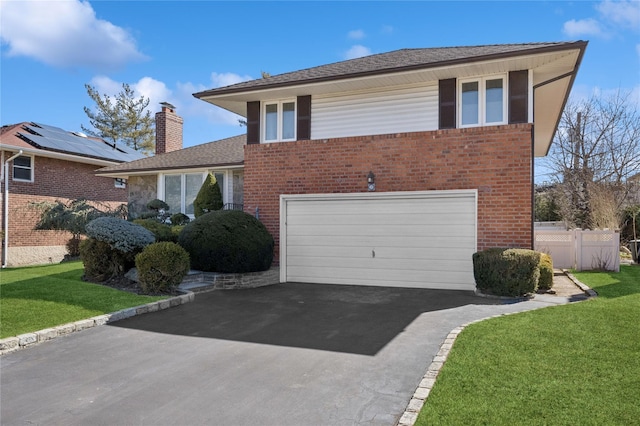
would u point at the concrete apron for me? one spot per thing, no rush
(287, 354)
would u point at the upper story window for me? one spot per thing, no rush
(23, 168)
(279, 120)
(483, 101)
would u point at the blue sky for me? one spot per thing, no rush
(168, 50)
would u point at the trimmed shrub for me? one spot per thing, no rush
(546, 272)
(179, 219)
(209, 197)
(157, 205)
(506, 272)
(161, 231)
(121, 235)
(102, 262)
(161, 266)
(227, 241)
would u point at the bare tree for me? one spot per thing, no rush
(595, 151)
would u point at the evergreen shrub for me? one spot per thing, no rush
(227, 241)
(161, 231)
(161, 266)
(546, 272)
(506, 272)
(209, 197)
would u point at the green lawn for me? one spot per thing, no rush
(575, 364)
(45, 296)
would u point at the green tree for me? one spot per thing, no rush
(123, 118)
(209, 197)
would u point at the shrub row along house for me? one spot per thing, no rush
(46, 163)
(391, 169)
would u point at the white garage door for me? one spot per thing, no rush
(401, 239)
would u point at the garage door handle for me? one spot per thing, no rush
(373, 253)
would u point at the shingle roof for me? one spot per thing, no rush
(225, 152)
(395, 61)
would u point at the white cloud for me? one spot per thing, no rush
(356, 34)
(387, 29)
(227, 79)
(589, 27)
(622, 13)
(188, 106)
(181, 96)
(65, 34)
(156, 91)
(357, 51)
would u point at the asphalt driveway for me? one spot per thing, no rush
(289, 354)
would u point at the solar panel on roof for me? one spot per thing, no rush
(57, 139)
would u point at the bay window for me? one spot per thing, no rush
(180, 190)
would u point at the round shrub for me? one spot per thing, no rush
(102, 262)
(161, 231)
(506, 272)
(161, 266)
(121, 235)
(179, 219)
(546, 272)
(157, 204)
(227, 241)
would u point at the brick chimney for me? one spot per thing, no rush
(168, 129)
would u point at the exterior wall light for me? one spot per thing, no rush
(371, 181)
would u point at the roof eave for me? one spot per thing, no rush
(545, 49)
(155, 170)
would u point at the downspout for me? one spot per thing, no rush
(6, 207)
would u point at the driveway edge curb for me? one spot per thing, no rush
(27, 340)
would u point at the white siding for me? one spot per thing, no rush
(404, 110)
(411, 239)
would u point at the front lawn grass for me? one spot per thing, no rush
(575, 364)
(40, 297)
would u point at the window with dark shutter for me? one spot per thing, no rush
(447, 104)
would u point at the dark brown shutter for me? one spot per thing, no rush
(304, 117)
(253, 122)
(518, 97)
(447, 104)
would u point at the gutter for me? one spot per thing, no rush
(6, 207)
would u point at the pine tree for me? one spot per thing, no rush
(123, 118)
(209, 197)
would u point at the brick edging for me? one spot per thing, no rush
(22, 341)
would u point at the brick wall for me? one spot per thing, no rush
(54, 180)
(497, 161)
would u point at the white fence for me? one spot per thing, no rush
(579, 249)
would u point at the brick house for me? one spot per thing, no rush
(393, 169)
(175, 174)
(54, 165)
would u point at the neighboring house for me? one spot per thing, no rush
(393, 169)
(54, 165)
(175, 175)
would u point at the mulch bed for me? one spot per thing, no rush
(125, 284)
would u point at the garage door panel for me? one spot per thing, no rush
(443, 242)
(380, 264)
(382, 252)
(420, 239)
(355, 276)
(378, 219)
(411, 230)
